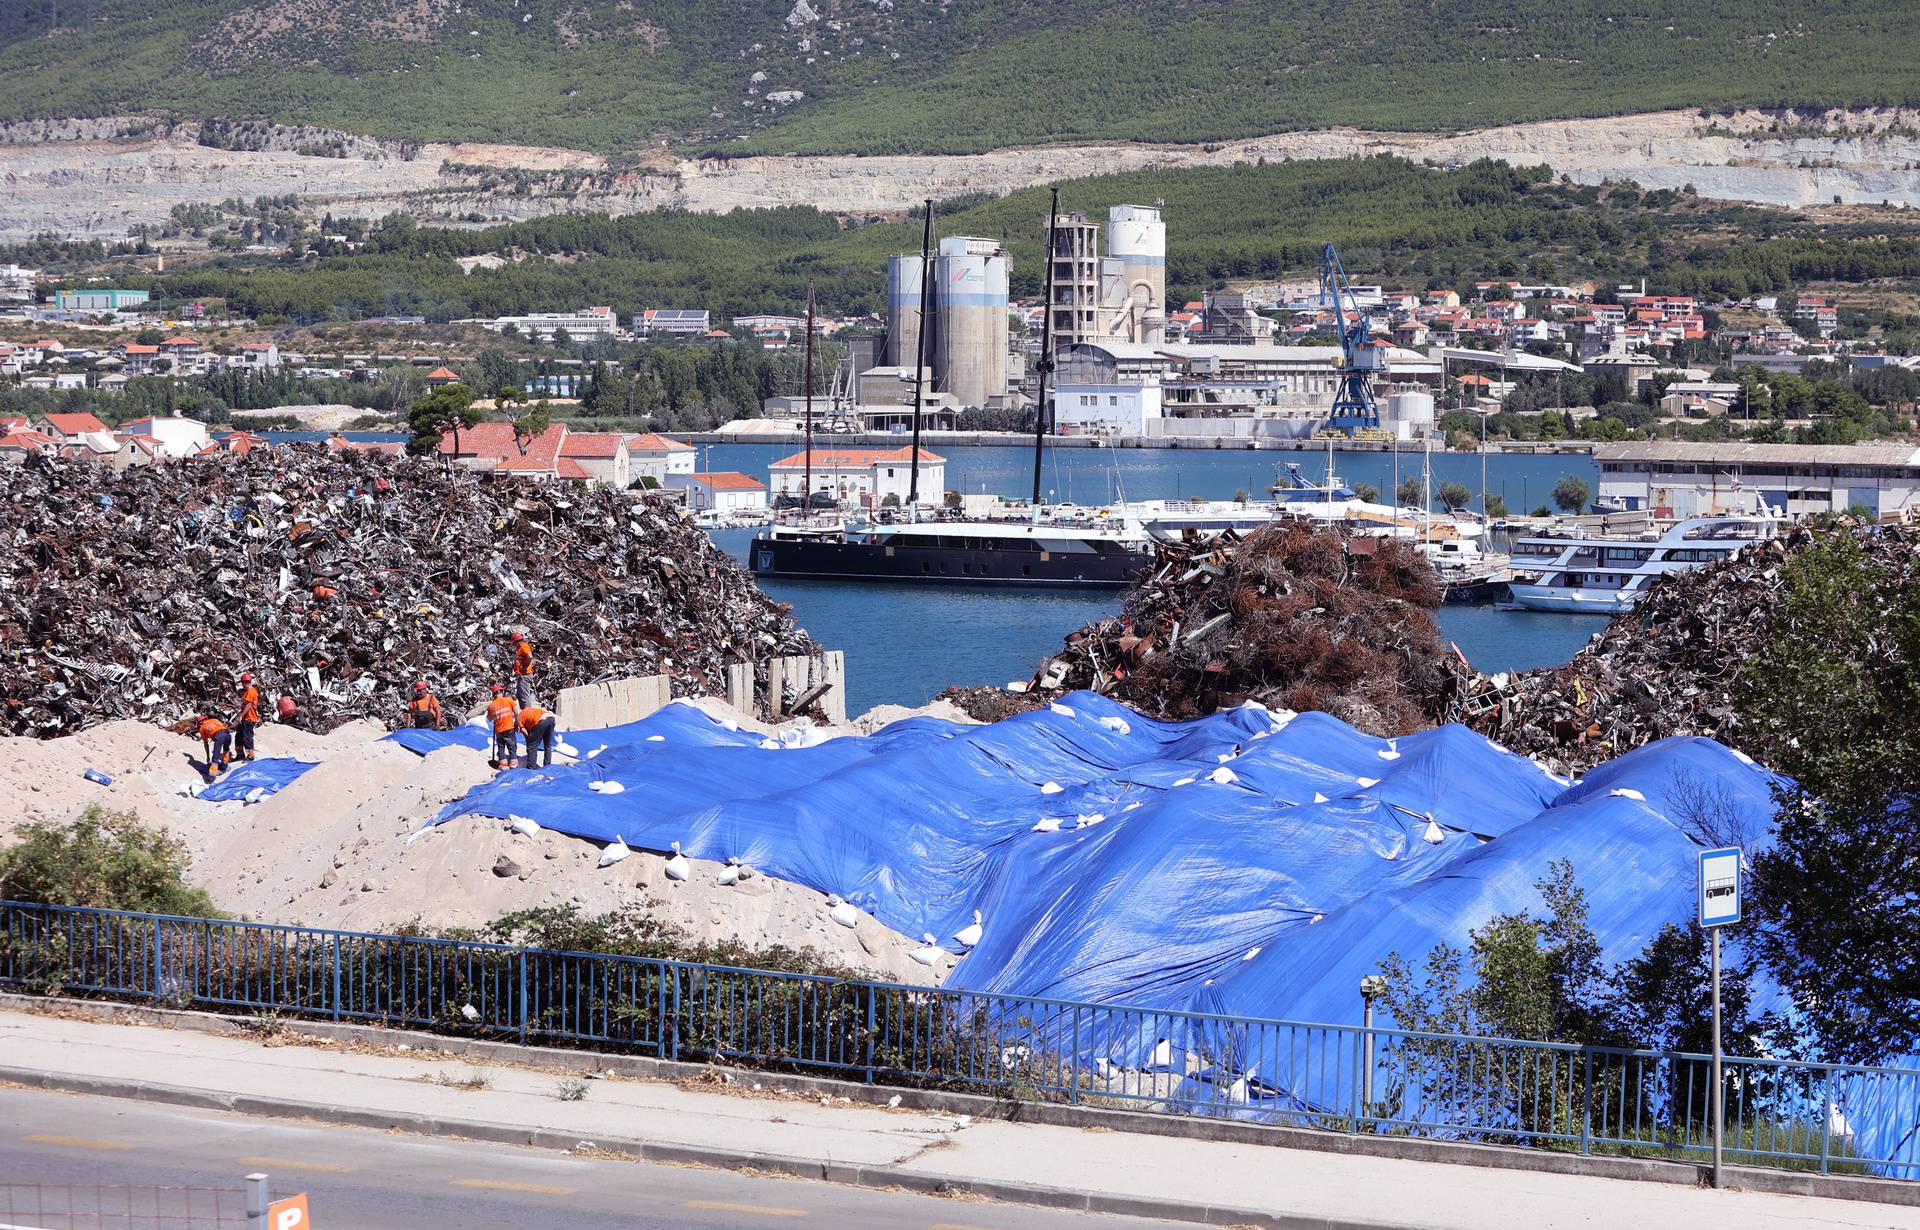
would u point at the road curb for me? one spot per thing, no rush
(929, 1183)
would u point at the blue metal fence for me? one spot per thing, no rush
(1332, 1077)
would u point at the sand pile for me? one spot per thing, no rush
(332, 848)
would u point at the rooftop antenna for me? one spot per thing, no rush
(1046, 349)
(920, 360)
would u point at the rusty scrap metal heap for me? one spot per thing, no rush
(1293, 617)
(1671, 666)
(340, 580)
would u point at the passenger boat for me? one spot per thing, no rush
(1606, 576)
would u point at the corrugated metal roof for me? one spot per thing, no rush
(1733, 453)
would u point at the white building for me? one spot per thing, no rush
(171, 437)
(1105, 409)
(656, 457)
(589, 324)
(725, 492)
(1677, 479)
(863, 476)
(16, 284)
(671, 322)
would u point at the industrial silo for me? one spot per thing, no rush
(972, 339)
(903, 312)
(1137, 238)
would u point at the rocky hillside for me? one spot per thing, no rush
(912, 76)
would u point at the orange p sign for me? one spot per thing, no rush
(289, 1214)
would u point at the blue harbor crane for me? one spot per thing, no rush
(1361, 357)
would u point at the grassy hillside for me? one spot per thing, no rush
(1407, 224)
(922, 75)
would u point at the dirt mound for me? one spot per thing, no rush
(1293, 617)
(338, 581)
(342, 846)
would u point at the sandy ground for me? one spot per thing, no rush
(331, 849)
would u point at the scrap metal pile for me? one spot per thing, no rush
(1293, 617)
(340, 580)
(1671, 666)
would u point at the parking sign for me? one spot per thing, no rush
(1719, 887)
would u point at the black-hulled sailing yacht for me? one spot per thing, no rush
(1085, 552)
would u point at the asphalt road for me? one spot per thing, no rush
(360, 1179)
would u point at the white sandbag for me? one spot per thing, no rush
(1062, 710)
(525, 827)
(929, 955)
(1089, 820)
(729, 876)
(1051, 788)
(567, 749)
(1223, 776)
(1434, 834)
(1365, 782)
(607, 787)
(1627, 792)
(969, 935)
(1118, 725)
(843, 912)
(656, 738)
(1320, 798)
(678, 868)
(614, 853)
(1049, 824)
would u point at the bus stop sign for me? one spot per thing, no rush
(1719, 887)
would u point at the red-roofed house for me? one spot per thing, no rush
(656, 457)
(337, 443)
(725, 492)
(10, 423)
(600, 456)
(234, 444)
(860, 475)
(135, 451)
(441, 377)
(67, 426)
(17, 446)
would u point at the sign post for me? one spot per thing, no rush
(1719, 907)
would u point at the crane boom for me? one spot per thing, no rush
(1361, 357)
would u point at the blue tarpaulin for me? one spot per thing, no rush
(1248, 864)
(1115, 858)
(268, 777)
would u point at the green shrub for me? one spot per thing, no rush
(104, 860)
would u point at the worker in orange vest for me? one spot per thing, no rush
(504, 714)
(522, 668)
(536, 724)
(216, 744)
(247, 716)
(423, 711)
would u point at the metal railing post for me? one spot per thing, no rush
(1586, 1107)
(1359, 1060)
(871, 1021)
(523, 995)
(673, 971)
(1826, 1123)
(336, 978)
(1073, 1060)
(159, 959)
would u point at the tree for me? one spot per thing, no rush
(1831, 687)
(445, 411)
(530, 425)
(102, 860)
(1411, 493)
(1453, 496)
(1367, 492)
(1571, 493)
(1496, 505)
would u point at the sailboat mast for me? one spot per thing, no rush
(920, 359)
(806, 492)
(1046, 348)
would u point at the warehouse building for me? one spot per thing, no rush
(1673, 479)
